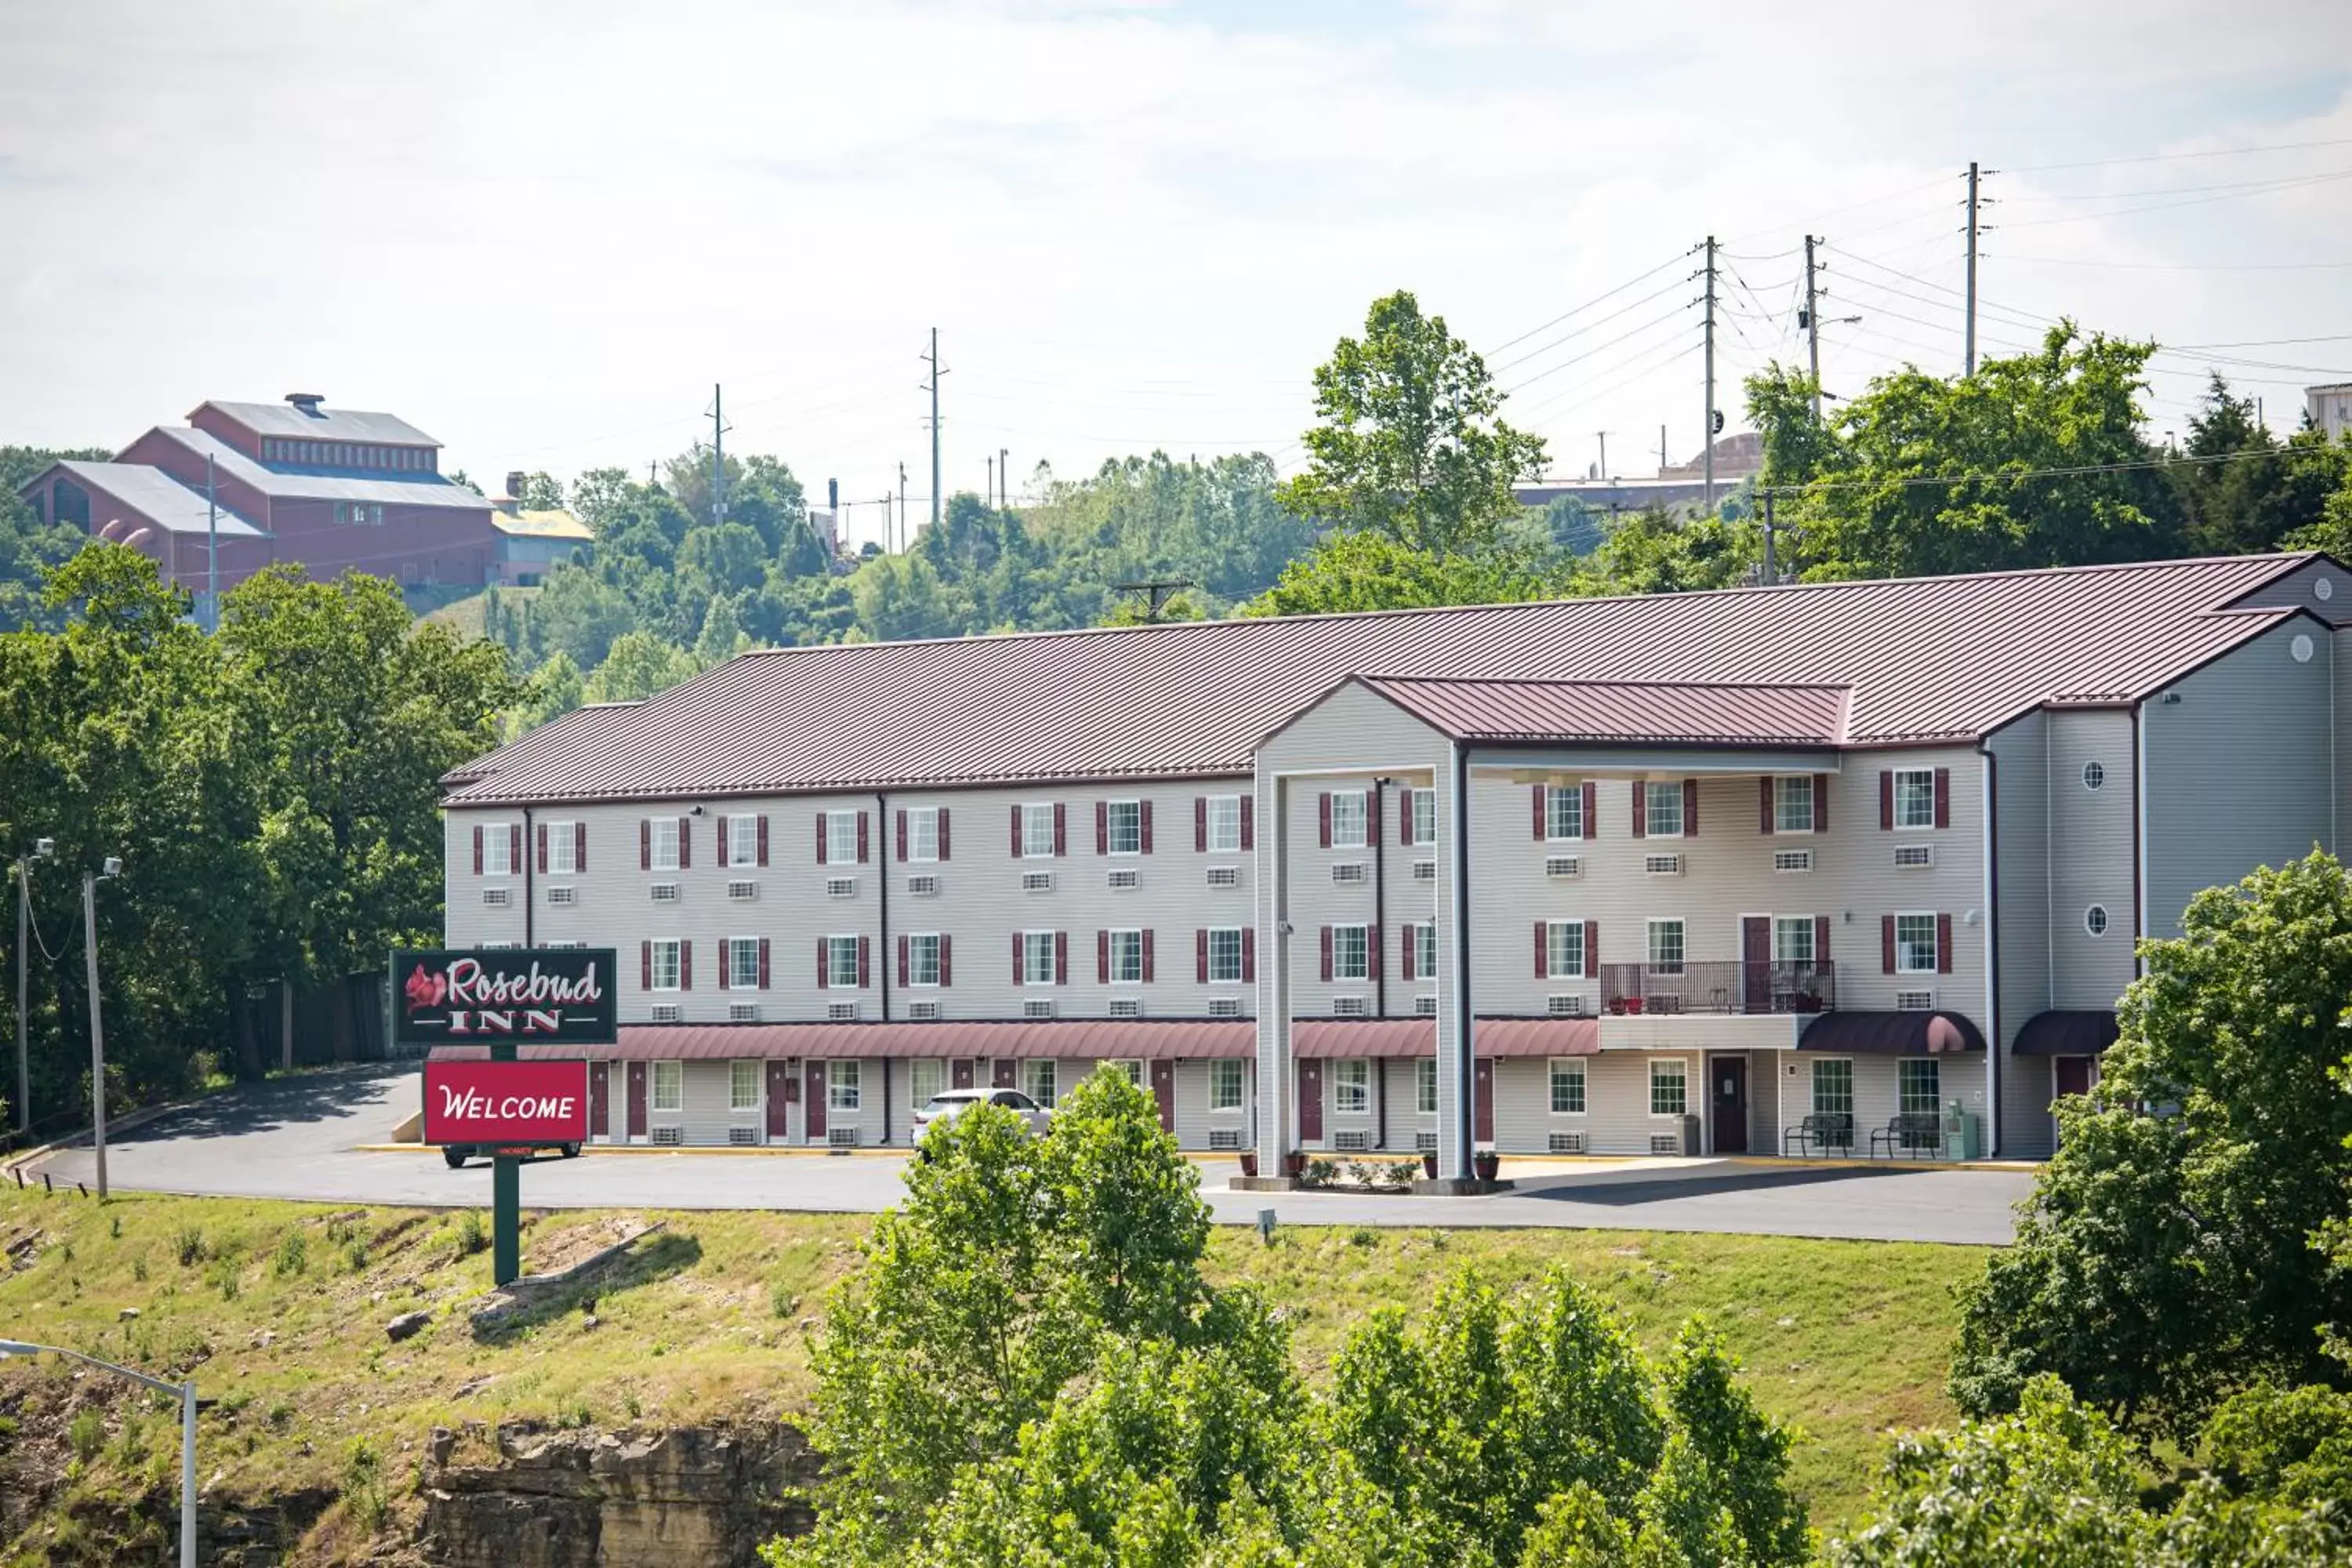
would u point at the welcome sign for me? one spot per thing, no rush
(529, 996)
(503, 1103)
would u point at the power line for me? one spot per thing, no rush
(2172, 157)
(2079, 470)
(1596, 300)
(2269, 189)
(2176, 266)
(1672, 286)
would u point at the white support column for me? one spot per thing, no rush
(1456, 1101)
(1275, 1088)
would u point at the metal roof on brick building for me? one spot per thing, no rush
(321, 422)
(1607, 713)
(282, 481)
(1934, 659)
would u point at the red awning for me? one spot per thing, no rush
(1900, 1034)
(2067, 1033)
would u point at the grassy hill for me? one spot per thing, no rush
(278, 1311)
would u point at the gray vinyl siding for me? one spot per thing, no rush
(2090, 859)
(2239, 770)
(2300, 590)
(1877, 1092)
(1194, 1119)
(1765, 1073)
(2023, 776)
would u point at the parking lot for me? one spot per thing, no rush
(307, 1139)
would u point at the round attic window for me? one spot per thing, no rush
(2323, 588)
(2093, 776)
(2094, 919)
(2300, 648)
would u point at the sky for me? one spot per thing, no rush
(543, 230)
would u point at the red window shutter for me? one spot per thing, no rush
(1061, 829)
(1640, 809)
(1372, 952)
(944, 840)
(1326, 953)
(865, 952)
(685, 964)
(1147, 955)
(1821, 802)
(1542, 801)
(1249, 953)
(645, 844)
(685, 844)
(947, 969)
(1061, 958)
(1102, 827)
(1102, 957)
(478, 849)
(763, 963)
(1200, 824)
(514, 844)
(823, 850)
(1543, 951)
(726, 848)
(1591, 812)
(645, 966)
(540, 848)
(1146, 827)
(1821, 939)
(905, 963)
(1690, 808)
(1886, 944)
(1886, 800)
(862, 856)
(1764, 806)
(1201, 955)
(1016, 832)
(763, 838)
(1404, 952)
(1943, 944)
(1249, 822)
(823, 964)
(726, 964)
(1020, 965)
(1943, 797)
(902, 835)
(1323, 816)
(1592, 950)
(580, 847)
(1404, 817)
(1372, 816)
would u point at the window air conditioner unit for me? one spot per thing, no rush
(1424, 1143)
(1425, 1005)
(663, 892)
(1914, 1001)
(496, 898)
(1424, 870)
(1226, 1137)
(923, 1012)
(1666, 1142)
(1126, 877)
(1563, 865)
(1126, 1008)
(1792, 859)
(743, 892)
(841, 1137)
(1350, 872)
(1912, 856)
(1566, 1143)
(738, 1136)
(1565, 1005)
(666, 1013)
(925, 886)
(671, 1135)
(1224, 1006)
(841, 886)
(742, 1011)
(1224, 875)
(841, 1012)
(1662, 865)
(1351, 1007)
(563, 895)
(1354, 1141)
(1037, 1007)
(1036, 882)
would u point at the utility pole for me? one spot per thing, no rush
(1707, 422)
(41, 850)
(1004, 477)
(933, 357)
(97, 1030)
(1662, 449)
(1771, 567)
(1969, 358)
(1813, 329)
(717, 460)
(902, 507)
(1604, 455)
(991, 480)
(212, 548)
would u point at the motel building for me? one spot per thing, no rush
(1686, 873)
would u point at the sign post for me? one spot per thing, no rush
(503, 998)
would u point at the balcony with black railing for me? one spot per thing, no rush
(1710, 986)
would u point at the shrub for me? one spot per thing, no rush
(364, 1488)
(293, 1255)
(86, 1435)
(470, 1236)
(190, 1245)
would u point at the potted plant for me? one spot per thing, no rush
(1293, 1164)
(1485, 1161)
(1632, 1004)
(1616, 1006)
(1429, 1165)
(1249, 1162)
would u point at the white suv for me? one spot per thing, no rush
(952, 1103)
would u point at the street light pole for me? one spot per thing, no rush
(42, 848)
(96, 1028)
(185, 1393)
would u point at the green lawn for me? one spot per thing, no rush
(279, 1310)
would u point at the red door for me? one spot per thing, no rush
(779, 1102)
(2073, 1074)
(600, 1100)
(636, 1099)
(960, 1070)
(813, 1112)
(1310, 1101)
(1727, 1079)
(1482, 1073)
(1163, 1089)
(1007, 1073)
(1756, 962)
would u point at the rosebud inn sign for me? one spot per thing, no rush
(525, 996)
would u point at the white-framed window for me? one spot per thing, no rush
(563, 848)
(1349, 818)
(1792, 939)
(1669, 1085)
(1568, 1086)
(1564, 812)
(1225, 954)
(1037, 958)
(1793, 804)
(926, 1078)
(668, 1086)
(841, 838)
(1424, 949)
(2094, 919)
(923, 957)
(1225, 823)
(664, 839)
(1833, 1086)
(497, 849)
(923, 833)
(1351, 1087)
(1127, 1067)
(841, 962)
(1422, 804)
(743, 1085)
(1914, 797)
(1350, 952)
(1126, 958)
(1564, 948)
(2094, 775)
(1919, 1084)
(843, 1085)
(741, 956)
(1225, 1084)
(1915, 944)
(1038, 1080)
(742, 848)
(1666, 948)
(1661, 809)
(1425, 1086)
(1123, 822)
(1038, 831)
(666, 964)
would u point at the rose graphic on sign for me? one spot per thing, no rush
(426, 990)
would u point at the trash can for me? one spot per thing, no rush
(1693, 1139)
(1963, 1139)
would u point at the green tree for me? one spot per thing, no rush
(639, 665)
(1356, 572)
(542, 492)
(579, 615)
(2243, 489)
(1412, 445)
(1653, 552)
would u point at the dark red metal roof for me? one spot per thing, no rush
(2067, 1033)
(1900, 1034)
(1926, 659)
(1605, 711)
(1073, 1039)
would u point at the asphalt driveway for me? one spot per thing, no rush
(303, 1139)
